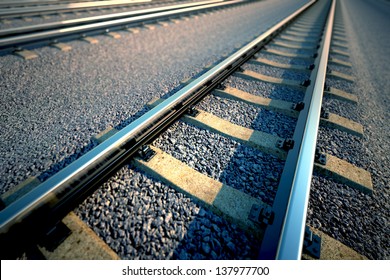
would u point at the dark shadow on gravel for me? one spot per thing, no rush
(330, 211)
(209, 237)
(140, 217)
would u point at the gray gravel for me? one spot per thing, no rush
(340, 68)
(339, 57)
(304, 44)
(337, 48)
(358, 220)
(249, 116)
(141, 218)
(344, 146)
(283, 59)
(294, 51)
(340, 84)
(266, 89)
(348, 215)
(52, 106)
(223, 159)
(277, 72)
(344, 109)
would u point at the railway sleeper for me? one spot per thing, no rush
(26, 54)
(61, 46)
(339, 75)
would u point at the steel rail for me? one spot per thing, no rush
(53, 198)
(284, 239)
(29, 11)
(36, 2)
(9, 43)
(79, 21)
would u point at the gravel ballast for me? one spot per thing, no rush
(223, 159)
(141, 219)
(284, 59)
(249, 116)
(277, 72)
(272, 91)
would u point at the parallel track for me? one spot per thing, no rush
(27, 3)
(66, 8)
(283, 223)
(36, 35)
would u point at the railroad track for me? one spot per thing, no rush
(281, 74)
(43, 9)
(28, 3)
(19, 40)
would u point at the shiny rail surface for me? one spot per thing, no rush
(290, 216)
(25, 3)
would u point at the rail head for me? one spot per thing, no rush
(284, 239)
(291, 241)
